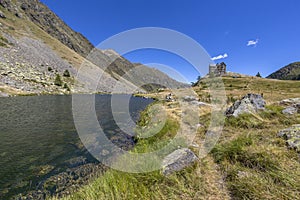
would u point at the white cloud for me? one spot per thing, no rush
(252, 43)
(225, 55)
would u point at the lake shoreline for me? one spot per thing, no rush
(6, 95)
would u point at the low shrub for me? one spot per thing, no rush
(58, 81)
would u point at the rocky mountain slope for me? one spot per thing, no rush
(49, 22)
(41, 54)
(289, 72)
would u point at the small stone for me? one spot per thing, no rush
(24, 6)
(190, 98)
(2, 94)
(291, 110)
(19, 15)
(2, 15)
(170, 98)
(289, 102)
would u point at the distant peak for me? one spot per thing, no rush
(289, 72)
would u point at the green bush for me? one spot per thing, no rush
(66, 73)
(258, 75)
(3, 41)
(66, 87)
(58, 80)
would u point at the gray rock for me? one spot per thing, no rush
(291, 101)
(190, 98)
(170, 97)
(292, 136)
(293, 106)
(19, 15)
(291, 110)
(2, 94)
(2, 15)
(194, 101)
(178, 160)
(251, 103)
(24, 6)
(199, 103)
(298, 107)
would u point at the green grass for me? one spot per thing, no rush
(255, 162)
(159, 140)
(3, 41)
(244, 121)
(273, 90)
(121, 185)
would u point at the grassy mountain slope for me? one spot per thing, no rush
(289, 72)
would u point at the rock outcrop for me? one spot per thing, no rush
(251, 103)
(178, 160)
(292, 136)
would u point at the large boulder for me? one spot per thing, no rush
(178, 160)
(251, 103)
(292, 136)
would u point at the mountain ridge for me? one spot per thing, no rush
(289, 72)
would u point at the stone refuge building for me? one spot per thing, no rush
(218, 69)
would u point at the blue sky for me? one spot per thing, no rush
(253, 35)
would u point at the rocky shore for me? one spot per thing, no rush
(64, 183)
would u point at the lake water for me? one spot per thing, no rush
(38, 138)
